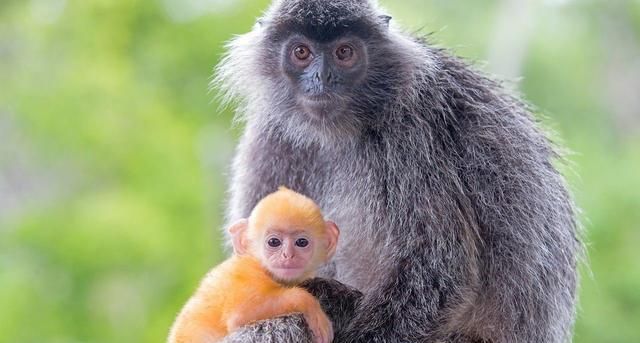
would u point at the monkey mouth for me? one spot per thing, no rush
(288, 271)
(319, 106)
(322, 98)
(290, 266)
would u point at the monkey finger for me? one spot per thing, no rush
(322, 338)
(322, 330)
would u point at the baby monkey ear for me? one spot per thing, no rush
(238, 239)
(332, 233)
(385, 19)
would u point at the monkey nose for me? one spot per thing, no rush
(288, 252)
(328, 77)
(287, 256)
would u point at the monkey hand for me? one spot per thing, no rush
(338, 300)
(319, 324)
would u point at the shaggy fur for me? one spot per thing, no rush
(454, 222)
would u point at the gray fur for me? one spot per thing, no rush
(454, 222)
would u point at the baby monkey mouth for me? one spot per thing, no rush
(287, 273)
(289, 266)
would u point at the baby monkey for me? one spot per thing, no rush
(282, 244)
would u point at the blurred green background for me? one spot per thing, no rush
(114, 154)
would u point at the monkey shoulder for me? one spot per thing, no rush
(237, 279)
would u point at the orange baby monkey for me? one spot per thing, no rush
(282, 244)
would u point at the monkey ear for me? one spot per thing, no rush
(386, 19)
(238, 239)
(332, 233)
(261, 23)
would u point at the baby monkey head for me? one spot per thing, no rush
(288, 234)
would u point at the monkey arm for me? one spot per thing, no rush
(530, 235)
(378, 320)
(409, 305)
(338, 302)
(286, 329)
(286, 301)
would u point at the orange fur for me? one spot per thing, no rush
(240, 290)
(236, 293)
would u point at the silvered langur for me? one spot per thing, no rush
(455, 224)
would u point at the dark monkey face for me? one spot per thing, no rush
(328, 62)
(324, 75)
(317, 70)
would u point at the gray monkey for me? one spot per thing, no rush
(456, 226)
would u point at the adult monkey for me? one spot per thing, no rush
(455, 224)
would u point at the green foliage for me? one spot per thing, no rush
(114, 154)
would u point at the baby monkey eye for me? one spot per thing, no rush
(274, 242)
(302, 242)
(345, 53)
(302, 52)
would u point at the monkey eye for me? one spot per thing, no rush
(345, 54)
(274, 242)
(302, 242)
(301, 52)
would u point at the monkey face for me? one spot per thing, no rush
(324, 75)
(315, 73)
(289, 255)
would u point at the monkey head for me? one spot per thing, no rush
(315, 69)
(287, 233)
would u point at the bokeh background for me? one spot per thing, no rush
(114, 154)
